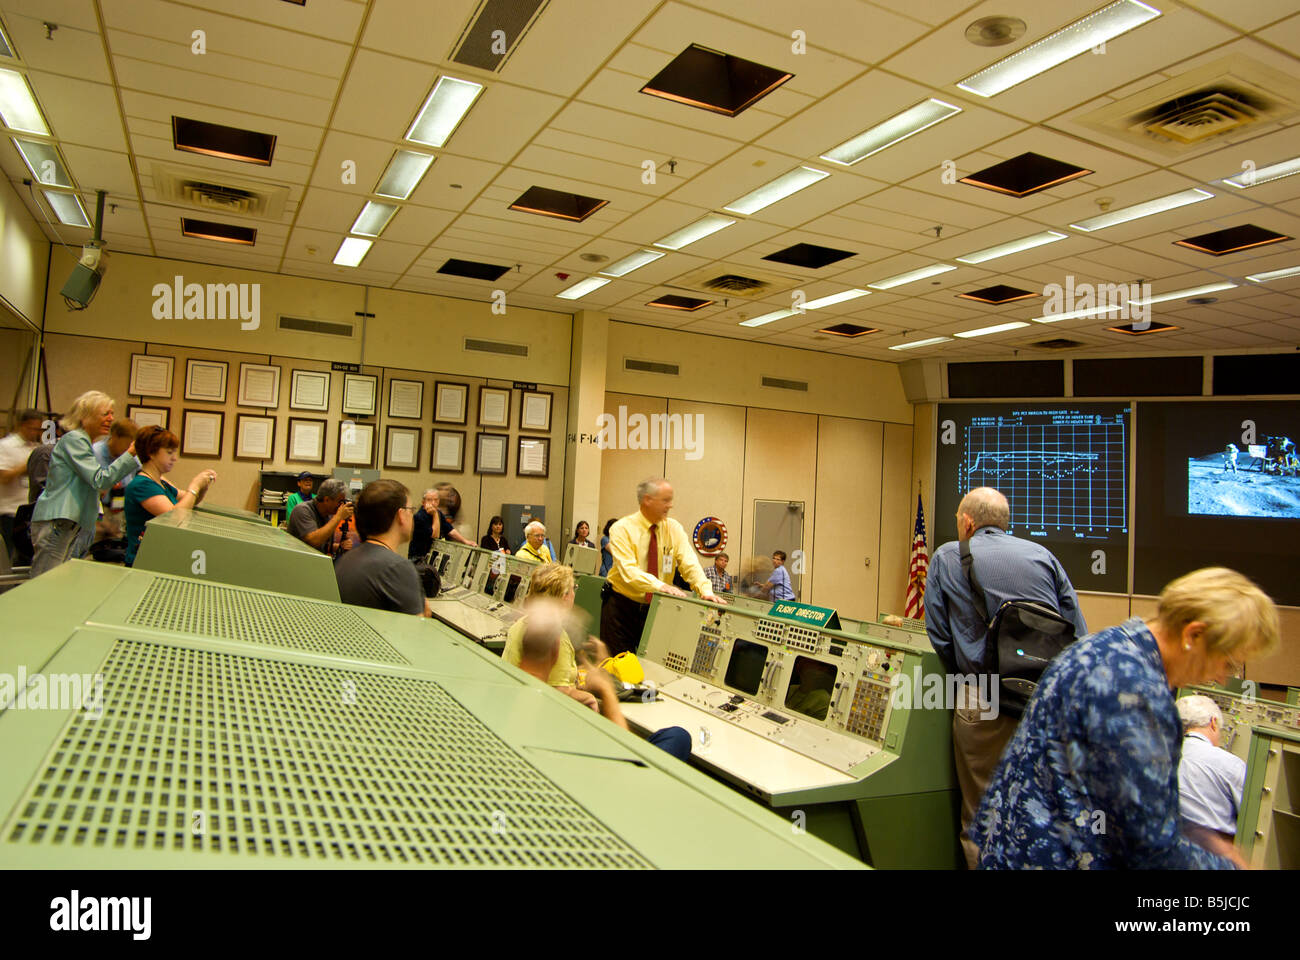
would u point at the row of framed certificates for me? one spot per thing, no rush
(202, 431)
(259, 386)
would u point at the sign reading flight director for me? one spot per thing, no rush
(805, 613)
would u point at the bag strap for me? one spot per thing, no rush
(977, 591)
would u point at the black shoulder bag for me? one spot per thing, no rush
(1021, 640)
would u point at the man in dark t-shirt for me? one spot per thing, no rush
(377, 574)
(314, 521)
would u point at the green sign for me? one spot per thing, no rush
(805, 613)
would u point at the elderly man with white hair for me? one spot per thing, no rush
(1210, 779)
(535, 549)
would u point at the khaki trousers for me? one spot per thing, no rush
(977, 747)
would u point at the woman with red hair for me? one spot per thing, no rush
(149, 495)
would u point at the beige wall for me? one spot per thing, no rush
(408, 330)
(24, 258)
(718, 370)
(77, 363)
(852, 475)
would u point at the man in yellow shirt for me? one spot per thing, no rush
(647, 547)
(535, 549)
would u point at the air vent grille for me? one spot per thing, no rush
(482, 46)
(330, 328)
(732, 283)
(323, 766)
(233, 197)
(497, 346)
(209, 610)
(1057, 343)
(651, 366)
(786, 384)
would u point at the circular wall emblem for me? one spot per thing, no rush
(710, 536)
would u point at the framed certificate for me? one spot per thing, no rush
(310, 390)
(402, 448)
(149, 416)
(306, 441)
(447, 451)
(356, 444)
(205, 380)
(201, 436)
(259, 386)
(493, 407)
(406, 399)
(534, 458)
(360, 391)
(151, 376)
(254, 437)
(451, 402)
(491, 453)
(535, 411)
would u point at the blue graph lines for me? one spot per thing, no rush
(1060, 471)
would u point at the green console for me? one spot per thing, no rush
(1268, 824)
(239, 728)
(225, 549)
(842, 733)
(233, 513)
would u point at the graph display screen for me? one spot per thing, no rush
(1219, 485)
(1063, 469)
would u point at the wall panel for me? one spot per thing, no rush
(847, 533)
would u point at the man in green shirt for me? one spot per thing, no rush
(305, 483)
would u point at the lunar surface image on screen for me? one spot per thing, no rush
(1265, 483)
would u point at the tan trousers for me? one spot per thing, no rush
(977, 747)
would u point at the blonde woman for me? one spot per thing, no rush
(63, 521)
(555, 581)
(1090, 779)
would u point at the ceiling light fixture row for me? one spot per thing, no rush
(439, 116)
(22, 115)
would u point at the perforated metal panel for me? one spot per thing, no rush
(212, 753)
(213, 610)
(229, 527)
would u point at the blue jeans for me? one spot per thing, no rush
(674, 740)
(57, 542)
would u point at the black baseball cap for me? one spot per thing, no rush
(305, 475)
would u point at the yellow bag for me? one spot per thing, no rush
(625, 667)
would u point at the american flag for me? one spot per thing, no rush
(917, 568)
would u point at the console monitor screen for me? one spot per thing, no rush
(745, 669)
(512, 586)
(1218, 485)
(491, 583)
(1064, 468)
(810, 688)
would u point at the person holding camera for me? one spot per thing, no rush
(315, 521)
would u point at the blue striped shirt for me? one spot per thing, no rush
(1007, 569)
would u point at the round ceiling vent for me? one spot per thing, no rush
(995, 31)
(1201, 301)
(593, 257)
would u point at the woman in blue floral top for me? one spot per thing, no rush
(1090, 779)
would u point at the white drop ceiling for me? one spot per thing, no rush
(341, 80)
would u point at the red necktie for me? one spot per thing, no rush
(652, 556)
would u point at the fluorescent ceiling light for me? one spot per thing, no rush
(372, 219)
(67, 207)
(44, 162)
(1013, 246)
(352, 251)
(6, 48)
(1183, 294)
(582, 288)
(1150, 208)
(1253, 178)
(444, 109)
(1274, 275)
(778, 189)
(403, 175)
(836, 298)
(631, 262)
(767, 318)
(17, 105)
(900, 127)
(696, 231)
(1076, 314)
(982, 331)
(902, 278)
(1065, 44)
(920, 343)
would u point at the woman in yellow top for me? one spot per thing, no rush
(535, 550)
